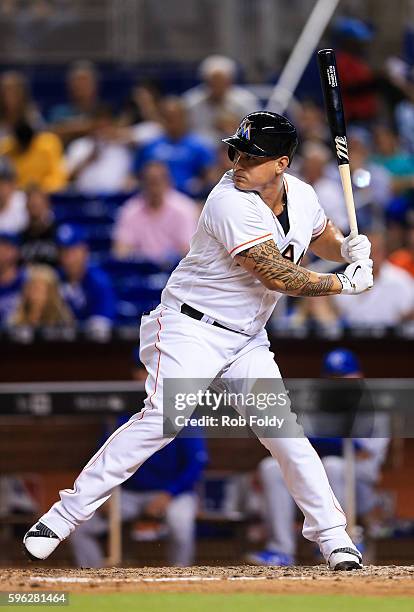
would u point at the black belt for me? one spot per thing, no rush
(196, 314)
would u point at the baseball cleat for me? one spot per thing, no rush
(270, 558)
(40, 541)
(345, 560)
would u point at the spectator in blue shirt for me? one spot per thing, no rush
(162, 489)
(86, 288)
(11, 276)
(189, 158)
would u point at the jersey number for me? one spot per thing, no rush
(289, 253)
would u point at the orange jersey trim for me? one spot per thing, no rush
(249, 242)
(159, 359)
(320, 230)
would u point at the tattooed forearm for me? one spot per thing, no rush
(276, 272)
(324, 285)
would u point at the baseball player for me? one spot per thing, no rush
(256, 225)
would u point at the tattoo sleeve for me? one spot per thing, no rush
(266, 263)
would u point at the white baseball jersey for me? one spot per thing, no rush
(210, 280)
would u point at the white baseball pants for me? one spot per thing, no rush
(279, 507)
(173, 345)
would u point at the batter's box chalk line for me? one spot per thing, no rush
(85, 580)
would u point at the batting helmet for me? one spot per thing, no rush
(264, 134)
(340, 362)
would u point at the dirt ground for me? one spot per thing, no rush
(372, 580)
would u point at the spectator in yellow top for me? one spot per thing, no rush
(37, 157)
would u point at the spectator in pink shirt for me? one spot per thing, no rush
(158, 223)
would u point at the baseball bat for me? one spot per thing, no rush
(335, 113)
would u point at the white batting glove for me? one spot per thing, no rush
(357, 277)
(355, 248)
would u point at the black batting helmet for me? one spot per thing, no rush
(264, 134)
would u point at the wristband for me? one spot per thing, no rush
(347, 286)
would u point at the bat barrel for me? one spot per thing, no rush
(335, 113)
(333, 102)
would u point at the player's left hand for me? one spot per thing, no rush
(355, 248)
(157, 507)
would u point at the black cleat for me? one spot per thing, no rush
(345, 560)
(39, 542)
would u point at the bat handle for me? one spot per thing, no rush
(345, 173)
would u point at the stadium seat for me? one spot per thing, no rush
(68, 206)
(96, 216)
(138, 286)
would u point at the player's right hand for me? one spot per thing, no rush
(354, 248)
(357, 277)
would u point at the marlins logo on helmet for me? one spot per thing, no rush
(245, 129)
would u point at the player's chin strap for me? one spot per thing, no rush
(235, 157)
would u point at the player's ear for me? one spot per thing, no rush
(281, 164)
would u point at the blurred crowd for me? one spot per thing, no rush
(158, 156)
